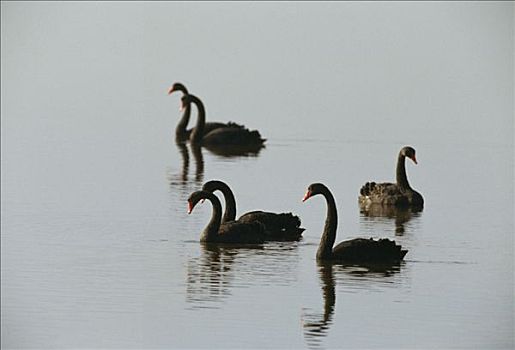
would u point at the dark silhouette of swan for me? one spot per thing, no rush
(358, 250)
(278, 227)
(399, 194)
(230, 135)
(183, 134)
(228, 232)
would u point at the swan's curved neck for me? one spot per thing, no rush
(213, 226)
(180, 129)
(196, 135)
(230, 202)
(325, 248)
(402, 178)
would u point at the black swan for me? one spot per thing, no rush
(229, 232)
(399, 194)
(183, 134)
(358, 250)
(231, 135)
(278, 227)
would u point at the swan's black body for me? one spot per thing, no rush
(358, 250)
(278, 227)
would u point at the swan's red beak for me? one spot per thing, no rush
(190, 207)
(414, 159)
(306, 196)
(171, 90)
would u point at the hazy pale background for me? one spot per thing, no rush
(96, 248)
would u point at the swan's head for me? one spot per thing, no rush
(178, 87)
(196, 197)
(314, 189)
(410, 153)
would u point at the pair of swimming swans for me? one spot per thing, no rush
(258, 226)
(210, 133)
(252, 227)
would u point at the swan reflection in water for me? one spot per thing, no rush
(316, 325)
(182, 180)
(221, 267)
(401, 216)
(209, 276)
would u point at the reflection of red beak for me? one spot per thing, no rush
(182, 108)
(190, 207)
(414, 159)
(306, 196)
(171, 90)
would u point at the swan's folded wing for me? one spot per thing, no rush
(240, 232)
(278, 226)
(233, 136)
(361, 249)
(385, 193)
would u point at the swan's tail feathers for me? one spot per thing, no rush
(391, 249)
(279, 227)
(288, 226)
(367, 188)
(288, 221)
(235, 125)
(255, 136)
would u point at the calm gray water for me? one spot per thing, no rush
(97, 250)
